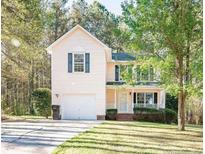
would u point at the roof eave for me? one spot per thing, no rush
(49, 49)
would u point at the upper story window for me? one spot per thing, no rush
(135, 72)
(144, 74)
(79, 62)
(121, 71)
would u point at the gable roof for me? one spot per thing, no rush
(49, 49)
(122, 57)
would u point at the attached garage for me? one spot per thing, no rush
(79, 106)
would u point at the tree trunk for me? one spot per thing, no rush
(181, 110)
(31, 86)
(181, 94)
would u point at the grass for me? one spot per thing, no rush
(113, 137)
(24, 118)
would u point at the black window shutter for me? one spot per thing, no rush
(134, 98)
(117, 73)
(70, 62)
(155, 98)
(87, 62)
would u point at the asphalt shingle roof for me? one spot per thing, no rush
(122, 57)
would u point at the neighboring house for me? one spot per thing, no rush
(86, 79)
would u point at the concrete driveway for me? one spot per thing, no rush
(39, 137)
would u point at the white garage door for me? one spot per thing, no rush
(78, 107)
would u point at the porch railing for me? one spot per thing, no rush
(146, 105)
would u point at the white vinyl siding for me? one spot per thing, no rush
(78, 42)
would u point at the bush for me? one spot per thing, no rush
(42, 101)
(148, 114)
(171, 102)
(111, 114)
(145, 110)
(155, 115)
(170, 115)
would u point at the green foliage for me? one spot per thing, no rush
(42, 101)
(25, 64)
(111, 114)
(127, 74)
(173, 35)
(171, 102)
(167, 37)
(111, 111)
(99, 21)
(170, 116)
(194, 108)
(56, 22)
(155, 115)
(145, 110)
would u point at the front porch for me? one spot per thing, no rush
(125, 99)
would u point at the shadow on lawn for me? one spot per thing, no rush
(136, 150)
(198, 134)
(112, 142)
(148, 125)
(139, 135)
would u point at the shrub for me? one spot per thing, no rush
(155, 115)
(171, 102)
(111, 111)
(111, 114)
(42, 101)
(148, 114)
(145, 110)
(170, 116)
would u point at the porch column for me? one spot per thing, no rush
(115, 99)
(158, 99)
(132, 95)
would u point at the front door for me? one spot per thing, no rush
(122, 107)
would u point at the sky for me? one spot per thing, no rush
(113, 6)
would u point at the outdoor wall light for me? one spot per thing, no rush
(57, 95)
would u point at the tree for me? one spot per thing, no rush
(42, 101)
(98, 21)
(78, 14)
(102, 24)
(172, 32)
(56, 22)
(25, 65)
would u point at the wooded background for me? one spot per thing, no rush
(28, 27)
(169, 31)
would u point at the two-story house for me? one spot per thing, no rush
(86, 79)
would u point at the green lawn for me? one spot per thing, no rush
(134, 137)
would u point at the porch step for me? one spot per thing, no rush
(125, 117)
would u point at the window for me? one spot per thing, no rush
(78, 62)
(149, 98)
(123, 70)
(138, 72)
(155, 98)
(146, 99)
(144, 74)
(140, 98)
(134, 98)
(151, 73)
